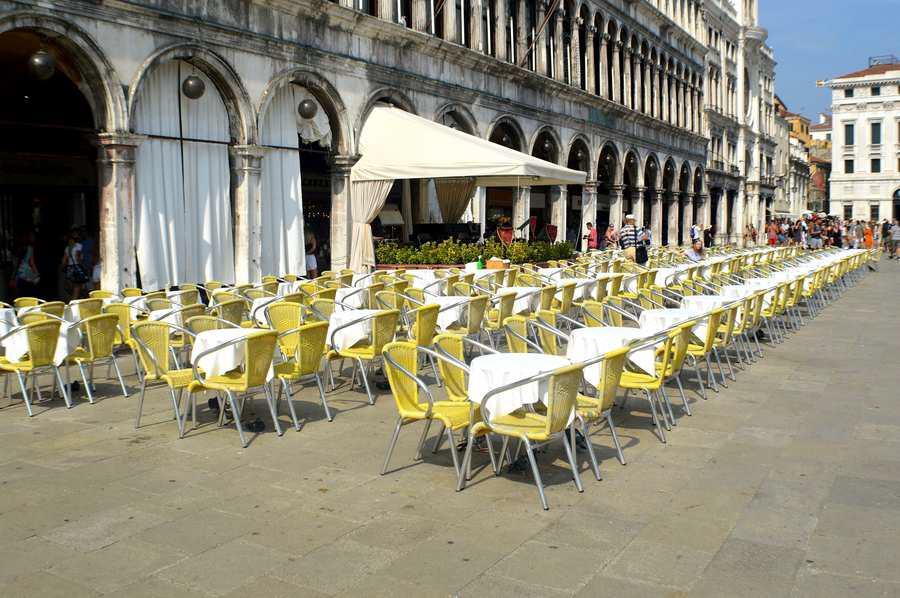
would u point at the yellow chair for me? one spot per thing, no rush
(401, 360)
(564, 304)
(123, 332)
(422, 328)
(231, 311)
(259, 348)
(474, 318)
(592, 313)
(159, 304)
(42, 339)
(30, 317)
(650, 383)
(87, 308)
(304, 363)
(384, 326)
(516, 330)
(101, 294)
(531, 427)
(453, 375)
(372, 292)
(284, 318)
(100, 334)
(153, 347)
(591, 409)
(318, 310)
(27, 302)
(198, 324)
(493, 322)
(54, 308)
(697, 351)
(132, 292)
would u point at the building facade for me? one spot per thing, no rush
(201, 140)
(865, 178)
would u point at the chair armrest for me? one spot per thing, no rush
(414, 378)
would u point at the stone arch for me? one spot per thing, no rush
(241, 114)
(684, 177)
(507, 125)
(580, 142)
(547, 133)
(101, 85)
(327, 96)
(651, 169)
(699, 179)
(633, 162)
(608, 164)
(388, 95)
(461, 113)
(669, 174)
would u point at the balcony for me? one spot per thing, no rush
(717, 165)
(756, 34)
(735, 171)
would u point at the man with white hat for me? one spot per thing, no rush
(629, 237)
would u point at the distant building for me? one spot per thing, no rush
(865, 105)
(798, 170)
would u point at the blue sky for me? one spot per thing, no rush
(823, 39)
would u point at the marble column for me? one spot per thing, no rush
(406, 210)
(687, 218)
(476, 40)
(521, 40)
(559, 57)
(648, 85)
(604, 66)
(575, 54)
(703, 217)
(540, 45)
(449, 13)
(616, 200)
(420, 15)
(501, 20)
(616, 91)
(626, 82)
(115, 161)
(664, 74)
(245, 173)
(521, 210)
(588, 211)
(637, 205)
(672, 219)
(559, 200)
(589, 81)
(654, 91)
(657, 196)
(341, 222)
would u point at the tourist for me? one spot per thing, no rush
(611, 237)
(772, 235)
(868, 239)
(695, 232)
(886, 235)
(25, 271)
(815, 235)
(312, 265)
(695, 251)
(894, 251)
(709, 236)
(629, 237)
(591, 237)
(74, 271)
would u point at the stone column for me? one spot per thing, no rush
(420, 15)
(685, 100)
(687, 218)
(559, 57)
(604, 67)
(476, 31)
(615, 205)
(616, 91)
(626, 82)
(637, 205)
(588, 211)
(664, 74)
(406, 210)
(559, 199)
(341, 222)
(653, 106)
(540, 44)
(672, 224)
(245, 174)
(521, 40)
(115, 163)
(575, 53)
(501, 19)
(449, 12)
(722, 219)
(387, 11)
(648, 86)
(702, 201)
(521, 209)
(678, 101)
(657, 196)
(346, 3)
(589, 81)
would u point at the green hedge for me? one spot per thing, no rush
(452, 252)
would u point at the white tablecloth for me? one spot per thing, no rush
(673, 274)
(138, 304)
(226, 359)
(286, 288)
(486, 272)
(630, 282)
(8, 320)
(550, 273)
(176, 297)
(657, 320)
(488, 372)
(584, 288)
(16, 346)
(258, 310)
(703, 304)
(351, 297)
(351, 335)
(528, 299)
(758, 284)
(586, 343)
(426, 278)
(165, 315)
(452, 310)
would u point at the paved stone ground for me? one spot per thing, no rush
(786, 483)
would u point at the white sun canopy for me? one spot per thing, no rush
(398, 145)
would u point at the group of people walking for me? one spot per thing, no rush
(830, 231)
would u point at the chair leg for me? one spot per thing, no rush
(452, 440)
(590, 449)
(365, 378)
(728, 360)
(710, 375)
(422, 438)
(666, 407)
(569, 443)
(137, 420)
(137, 369)
(685, 405)
(236, 413)
(62, 388)
(177, 416)
(434, 371)
(25, 396)
(659, 428)
(439, 440)
(321, 387)
(87, 386)
(721, 369)
(270, 399)
(286, 390)
(115, 364)
(463, 474)
(696, 366)
(537, 474)
(390, 451)
(615, 436)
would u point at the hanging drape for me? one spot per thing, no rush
(368, 199)
(183, 230)
(281, 225)
(453, 197)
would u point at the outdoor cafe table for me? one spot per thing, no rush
(702, 305)
(176, 296)
(759, 284)
(258, 310)
(352, 298)
(451, 312)
(665, 276)
(349, 336)
(550, 273)
(288, 287)
(165, 315)
(657, 320)
(425, 277)
(16, 346)
(527, 298)
(590, 343)
(488, 372)
(225, 359)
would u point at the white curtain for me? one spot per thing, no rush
(282, 224)
(367, 199)
(183, 225)
(453, 197)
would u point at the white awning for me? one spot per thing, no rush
(398, 145)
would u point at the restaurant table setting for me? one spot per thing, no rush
(224, 359)
(452, 310)
(16, 346)
(488, 372)
(528, 299)
(351, 335)
(591, 342)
